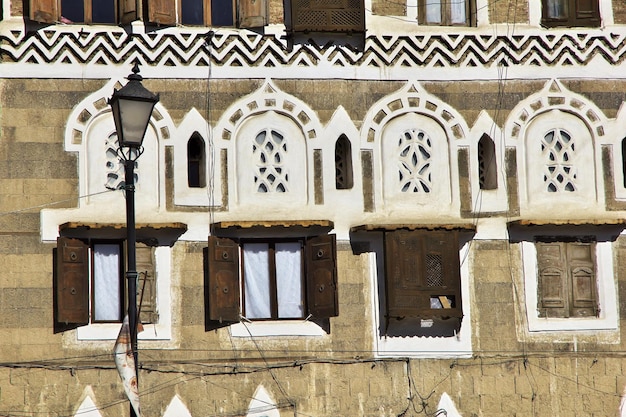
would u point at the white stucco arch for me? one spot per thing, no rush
(555, 107)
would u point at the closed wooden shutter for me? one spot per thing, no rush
(44, 11)
(127, 11)
(552, 285)
(321, 276)
(583, 279)
(223, 280)
(587, 12)
(422, 274)
(162, 12)
(147, 285)
(71, 282)
(253, 13)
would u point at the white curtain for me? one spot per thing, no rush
(106, 282)
(457, 9)
(256, 280)
(289, 280)
(557, 9)
(433, 11)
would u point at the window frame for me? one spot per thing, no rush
(50, 12)
(122, 296)
(224, 287)
(446, 14)
(246, 13)
(576, 18)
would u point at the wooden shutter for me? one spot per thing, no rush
(127, 11)
(327, 15)
(71, 284)
(148, 311)
(44, 11)
(223, 280)
(583, 279)
(552, 285)
(253, 13)
(587, 13)
(321, 276)
(422, 274)
(162, 12)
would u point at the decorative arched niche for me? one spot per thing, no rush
(413, 137)
(558, 136)
(266, 135)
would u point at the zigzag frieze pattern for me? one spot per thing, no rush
(247, 50)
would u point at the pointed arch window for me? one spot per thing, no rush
(343, 164)
(624, 161)
(196, 162)
(487, 167)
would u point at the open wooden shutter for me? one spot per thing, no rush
(321, 276)
(71, 282)
(422, 274)
(162, 12)
(147, 296)
(44, 11)
(127, 11)
(253, 13)
(223, 280)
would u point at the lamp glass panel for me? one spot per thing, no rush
(134, 117)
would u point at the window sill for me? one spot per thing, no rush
(276, 328)
(109, 331)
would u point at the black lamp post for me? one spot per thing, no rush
(132, 107)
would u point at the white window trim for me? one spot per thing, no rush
(607, 290)
(160, 331)
(459, 346)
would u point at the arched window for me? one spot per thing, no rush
(196, 162)
(487, 168)
(343, 164)
(558, 149)
(624, 161)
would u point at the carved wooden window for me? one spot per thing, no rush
(241, 13)
(271, 279)
(83, 11)
(343, 164)
(567, 279)
(557, 149)
(447, 13)
(90, 284)
(269, 151)
(570, 13)
(196, 162)
(326, 15)
(487, 167)
(415, 155)
(422, 272)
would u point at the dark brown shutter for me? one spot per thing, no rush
(72, 282)
(583, 279)
(162, 12)
(223, 280)
(587, 12)
(45, 11)
(552, 285)
(321, 276)
(127, 12)
(252, 13)
(148, 312)
(422, 274)
(327, 15)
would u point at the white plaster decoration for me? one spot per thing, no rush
(446, 406)
(267, 135)
(420, 133)
(494, 200)
(616, 134)
(606, 286)
(176, 408)
(88, 407)
(262, 404)
(398, 51)
(558, 135)
(458, 346)
(276, 329)
(211, 195)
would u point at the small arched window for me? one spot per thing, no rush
(196, 162)
(343, 164)
(487, 167)
(624, 162)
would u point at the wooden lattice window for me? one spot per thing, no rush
(567, 279)
(570, 13)
(343, 164)
(487, 166)
(326, 15)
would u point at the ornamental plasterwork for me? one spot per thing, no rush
(183, 52)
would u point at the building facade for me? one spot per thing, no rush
(343, 208)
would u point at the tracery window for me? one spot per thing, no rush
(414, 164)
(558, 148)
(269, 151)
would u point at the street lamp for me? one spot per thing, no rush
(132, 107)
